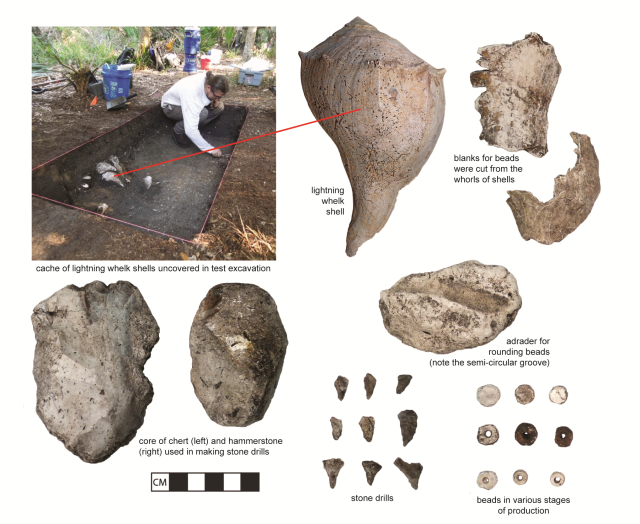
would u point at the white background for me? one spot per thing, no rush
(581, 293)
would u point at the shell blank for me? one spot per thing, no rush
(574, 196)
(520, 79)
(384, 146)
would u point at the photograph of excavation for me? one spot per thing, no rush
(115, 172)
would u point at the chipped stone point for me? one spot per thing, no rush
(408, 425)
(488, 395)
(238, 345)
(525, 394)
(488, 435)
(369, 384)
(487, 479)
(574, 196)
(368, 425)
(411, 471)
(341, 384)
(558, 395)
(92, 345)
(336, 428)
(403, 383)
(371, 469)
(520, 79)
(333, 467)
(459, 307)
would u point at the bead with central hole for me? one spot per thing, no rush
(520, 477)
(488, 434)
(564, 436)
(557, 479)
(526, 434)
(487, 479)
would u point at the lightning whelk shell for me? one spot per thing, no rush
(384, 145)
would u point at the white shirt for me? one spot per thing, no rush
(189, 94)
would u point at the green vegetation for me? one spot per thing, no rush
(229, 33)
(80, 46)
(210, 37)
(77, 51)
(40, 69)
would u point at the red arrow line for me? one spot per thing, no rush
(234, 143)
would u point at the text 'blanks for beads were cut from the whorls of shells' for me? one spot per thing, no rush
(385, 144)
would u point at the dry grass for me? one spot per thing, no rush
(255, 244)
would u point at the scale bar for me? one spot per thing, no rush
(205, 482)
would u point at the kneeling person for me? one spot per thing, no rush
(195, 101)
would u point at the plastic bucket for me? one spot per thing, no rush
(115, 82)
(190, 63)
(216, 55)
(191, 41)
(205, 63)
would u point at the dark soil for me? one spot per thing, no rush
(63, 121)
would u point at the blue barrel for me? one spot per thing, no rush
(191, 40)
(115, 83)
(190, 63)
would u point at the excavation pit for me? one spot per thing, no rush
(181, 194)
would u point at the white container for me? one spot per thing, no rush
(216, 56)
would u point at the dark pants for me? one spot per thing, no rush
(206, 116)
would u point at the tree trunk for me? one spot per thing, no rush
(237, 38)
(144, 39)
(248, 44)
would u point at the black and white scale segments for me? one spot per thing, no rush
(198, 482)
